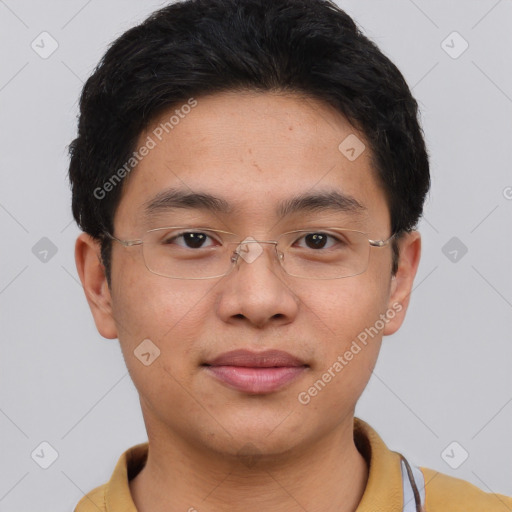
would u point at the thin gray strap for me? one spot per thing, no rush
(413, 487)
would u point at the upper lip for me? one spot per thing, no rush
(266, 359)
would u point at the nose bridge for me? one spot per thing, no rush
(256, 294)
(250, 249)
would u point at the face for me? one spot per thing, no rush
(254, 151)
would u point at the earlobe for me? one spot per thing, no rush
(92, 275)
(402, 282)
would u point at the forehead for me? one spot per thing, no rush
(256, 156)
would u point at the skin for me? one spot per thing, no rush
(254, 150)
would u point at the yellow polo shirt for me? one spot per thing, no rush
(384, 491)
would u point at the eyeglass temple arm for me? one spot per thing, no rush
(126, 243)
(381, 243)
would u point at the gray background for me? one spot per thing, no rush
(444, 377)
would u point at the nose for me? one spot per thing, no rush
(257, 290)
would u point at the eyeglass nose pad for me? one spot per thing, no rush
(242, 247)
(235, 256)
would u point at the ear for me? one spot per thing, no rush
(92, 275)
(402, 282)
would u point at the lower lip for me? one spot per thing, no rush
(256, 380)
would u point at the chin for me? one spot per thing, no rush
(261, 434)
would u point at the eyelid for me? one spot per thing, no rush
(177, 233)
(332, 237)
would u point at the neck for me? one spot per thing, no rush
(328, 475)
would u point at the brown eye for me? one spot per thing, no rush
(317, 240)
(190, 240)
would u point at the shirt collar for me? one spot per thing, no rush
(383, 491)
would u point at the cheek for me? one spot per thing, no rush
(168, 313)
(345, 307)
(348, 338)
(165, 311)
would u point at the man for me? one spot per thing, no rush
(249, 176)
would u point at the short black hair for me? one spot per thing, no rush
(198, 47)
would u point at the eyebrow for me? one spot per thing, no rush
(329, 200)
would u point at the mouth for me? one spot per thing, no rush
(255, 372)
